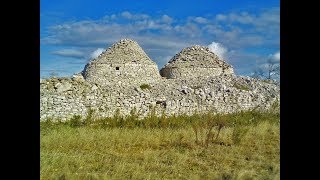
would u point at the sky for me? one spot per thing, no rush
(244, 33)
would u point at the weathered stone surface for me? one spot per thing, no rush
(61, 87)
(105, 93)
(195, 61)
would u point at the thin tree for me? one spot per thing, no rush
(269, 71)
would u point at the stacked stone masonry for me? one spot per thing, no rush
(112, 82)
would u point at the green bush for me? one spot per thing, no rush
(145, 86)
(241, 87)
(75, 121)
(90, 117)
(203, 125)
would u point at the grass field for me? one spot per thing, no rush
(246, 147)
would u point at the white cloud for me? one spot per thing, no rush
(221, 17)
(243, 18)
(126, 14)
(200, 20)
(96, 53)
(276, 56)
(218, 49)
(129, 15)
(113, 16)
(266, 22)
(69, 53)
(166, 19)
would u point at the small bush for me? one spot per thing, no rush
(132, 119)
(203, 125)
(151, 121)
(118, 119)
(275, 107)
(145, 86)
(269, 81)
(241, 87)
(75, 121)
(104, 122)
(90, 117)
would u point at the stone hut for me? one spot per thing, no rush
(195, 61)
(124, 61)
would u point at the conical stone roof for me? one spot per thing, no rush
(124, 51)
(196, 56)
(193, 62)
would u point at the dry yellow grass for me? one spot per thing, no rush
(163, 153)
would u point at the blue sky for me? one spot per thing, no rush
(72, 32)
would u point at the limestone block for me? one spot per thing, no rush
(61, 87)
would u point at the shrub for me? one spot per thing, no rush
(131, 121)
(145, 86)
(90, 117)
(241, 87)
(118, 119)
(269, 81)
(275, 107)
(151, 121)
(105, 122)
(202, 126)
(75, 121)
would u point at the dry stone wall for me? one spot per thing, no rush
(62, 98)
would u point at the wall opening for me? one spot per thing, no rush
(117, 68)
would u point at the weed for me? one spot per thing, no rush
(90, 117)
(75, 121)
(269, 81)
(145, 86)
(203, 126)
(241, 87)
